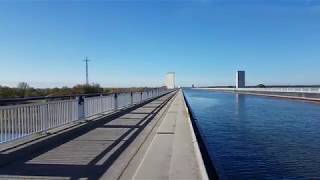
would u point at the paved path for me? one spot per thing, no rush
(171, 152)
(101, 151)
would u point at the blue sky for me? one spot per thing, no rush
(135, 43)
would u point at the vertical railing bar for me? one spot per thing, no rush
(68, 112)
(34, 110)
(64, 117)
(36, 118)
(65, 112)
(60, 107)
(1, 125)
(53, 107)
(57, 119)
(23, 120)
(29, 115)
(41, 118)
(58, 115)
(8, 124)
(50, 116)
(47, 119)
(5, 125)
(12, 123)
(32, 119)
(19, 122)
(15, 122)
(28, 120)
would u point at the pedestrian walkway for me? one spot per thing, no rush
(172, 152)
(100, 149)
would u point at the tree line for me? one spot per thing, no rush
(23, 90)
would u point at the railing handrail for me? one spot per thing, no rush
(18, 121)
(12, 100)
(35, 104)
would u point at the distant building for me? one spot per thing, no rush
(241, 79)
(193, 86)
(170, 81)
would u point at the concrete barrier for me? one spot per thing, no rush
(290, 94)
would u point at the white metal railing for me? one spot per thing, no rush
(136, 97)
(289, 89)
(19, 121)
(22, 120)
(124, 100)
(144, 95)
(97, 105)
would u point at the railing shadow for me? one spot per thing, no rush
(32, 164)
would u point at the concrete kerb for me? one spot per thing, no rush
(202, 168)
(201, 145)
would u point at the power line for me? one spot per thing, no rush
(87, 70)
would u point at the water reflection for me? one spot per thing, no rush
(254, 137)
(240, 105)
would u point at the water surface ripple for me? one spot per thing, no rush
(256, 137)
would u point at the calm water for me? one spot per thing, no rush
(255, 137)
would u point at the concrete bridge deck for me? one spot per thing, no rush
(153, 141)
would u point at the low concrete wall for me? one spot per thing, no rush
(291, 95)
(202, 143)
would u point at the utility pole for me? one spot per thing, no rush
(87, 70)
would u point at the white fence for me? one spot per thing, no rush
(124, 100)
(136, 97)
(144, 95)
(97, 105)
(23, 120)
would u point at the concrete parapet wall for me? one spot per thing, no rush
(282, 93)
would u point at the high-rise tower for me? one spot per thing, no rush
(170, 81)
(241, 79)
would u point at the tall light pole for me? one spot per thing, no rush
(87, 70)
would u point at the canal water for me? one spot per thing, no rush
(256, 137)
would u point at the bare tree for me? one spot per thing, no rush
(22, 88)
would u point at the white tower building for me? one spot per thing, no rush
(170, 81)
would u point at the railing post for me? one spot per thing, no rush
(81, 108)
(101, 108)
(46, 121)
(141, 96)
(131, 98)
(116, 101)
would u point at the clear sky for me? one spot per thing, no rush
(135, 43)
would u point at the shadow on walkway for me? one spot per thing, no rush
(88, 151)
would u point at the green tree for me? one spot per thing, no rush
(6, 92)
(87, 89)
